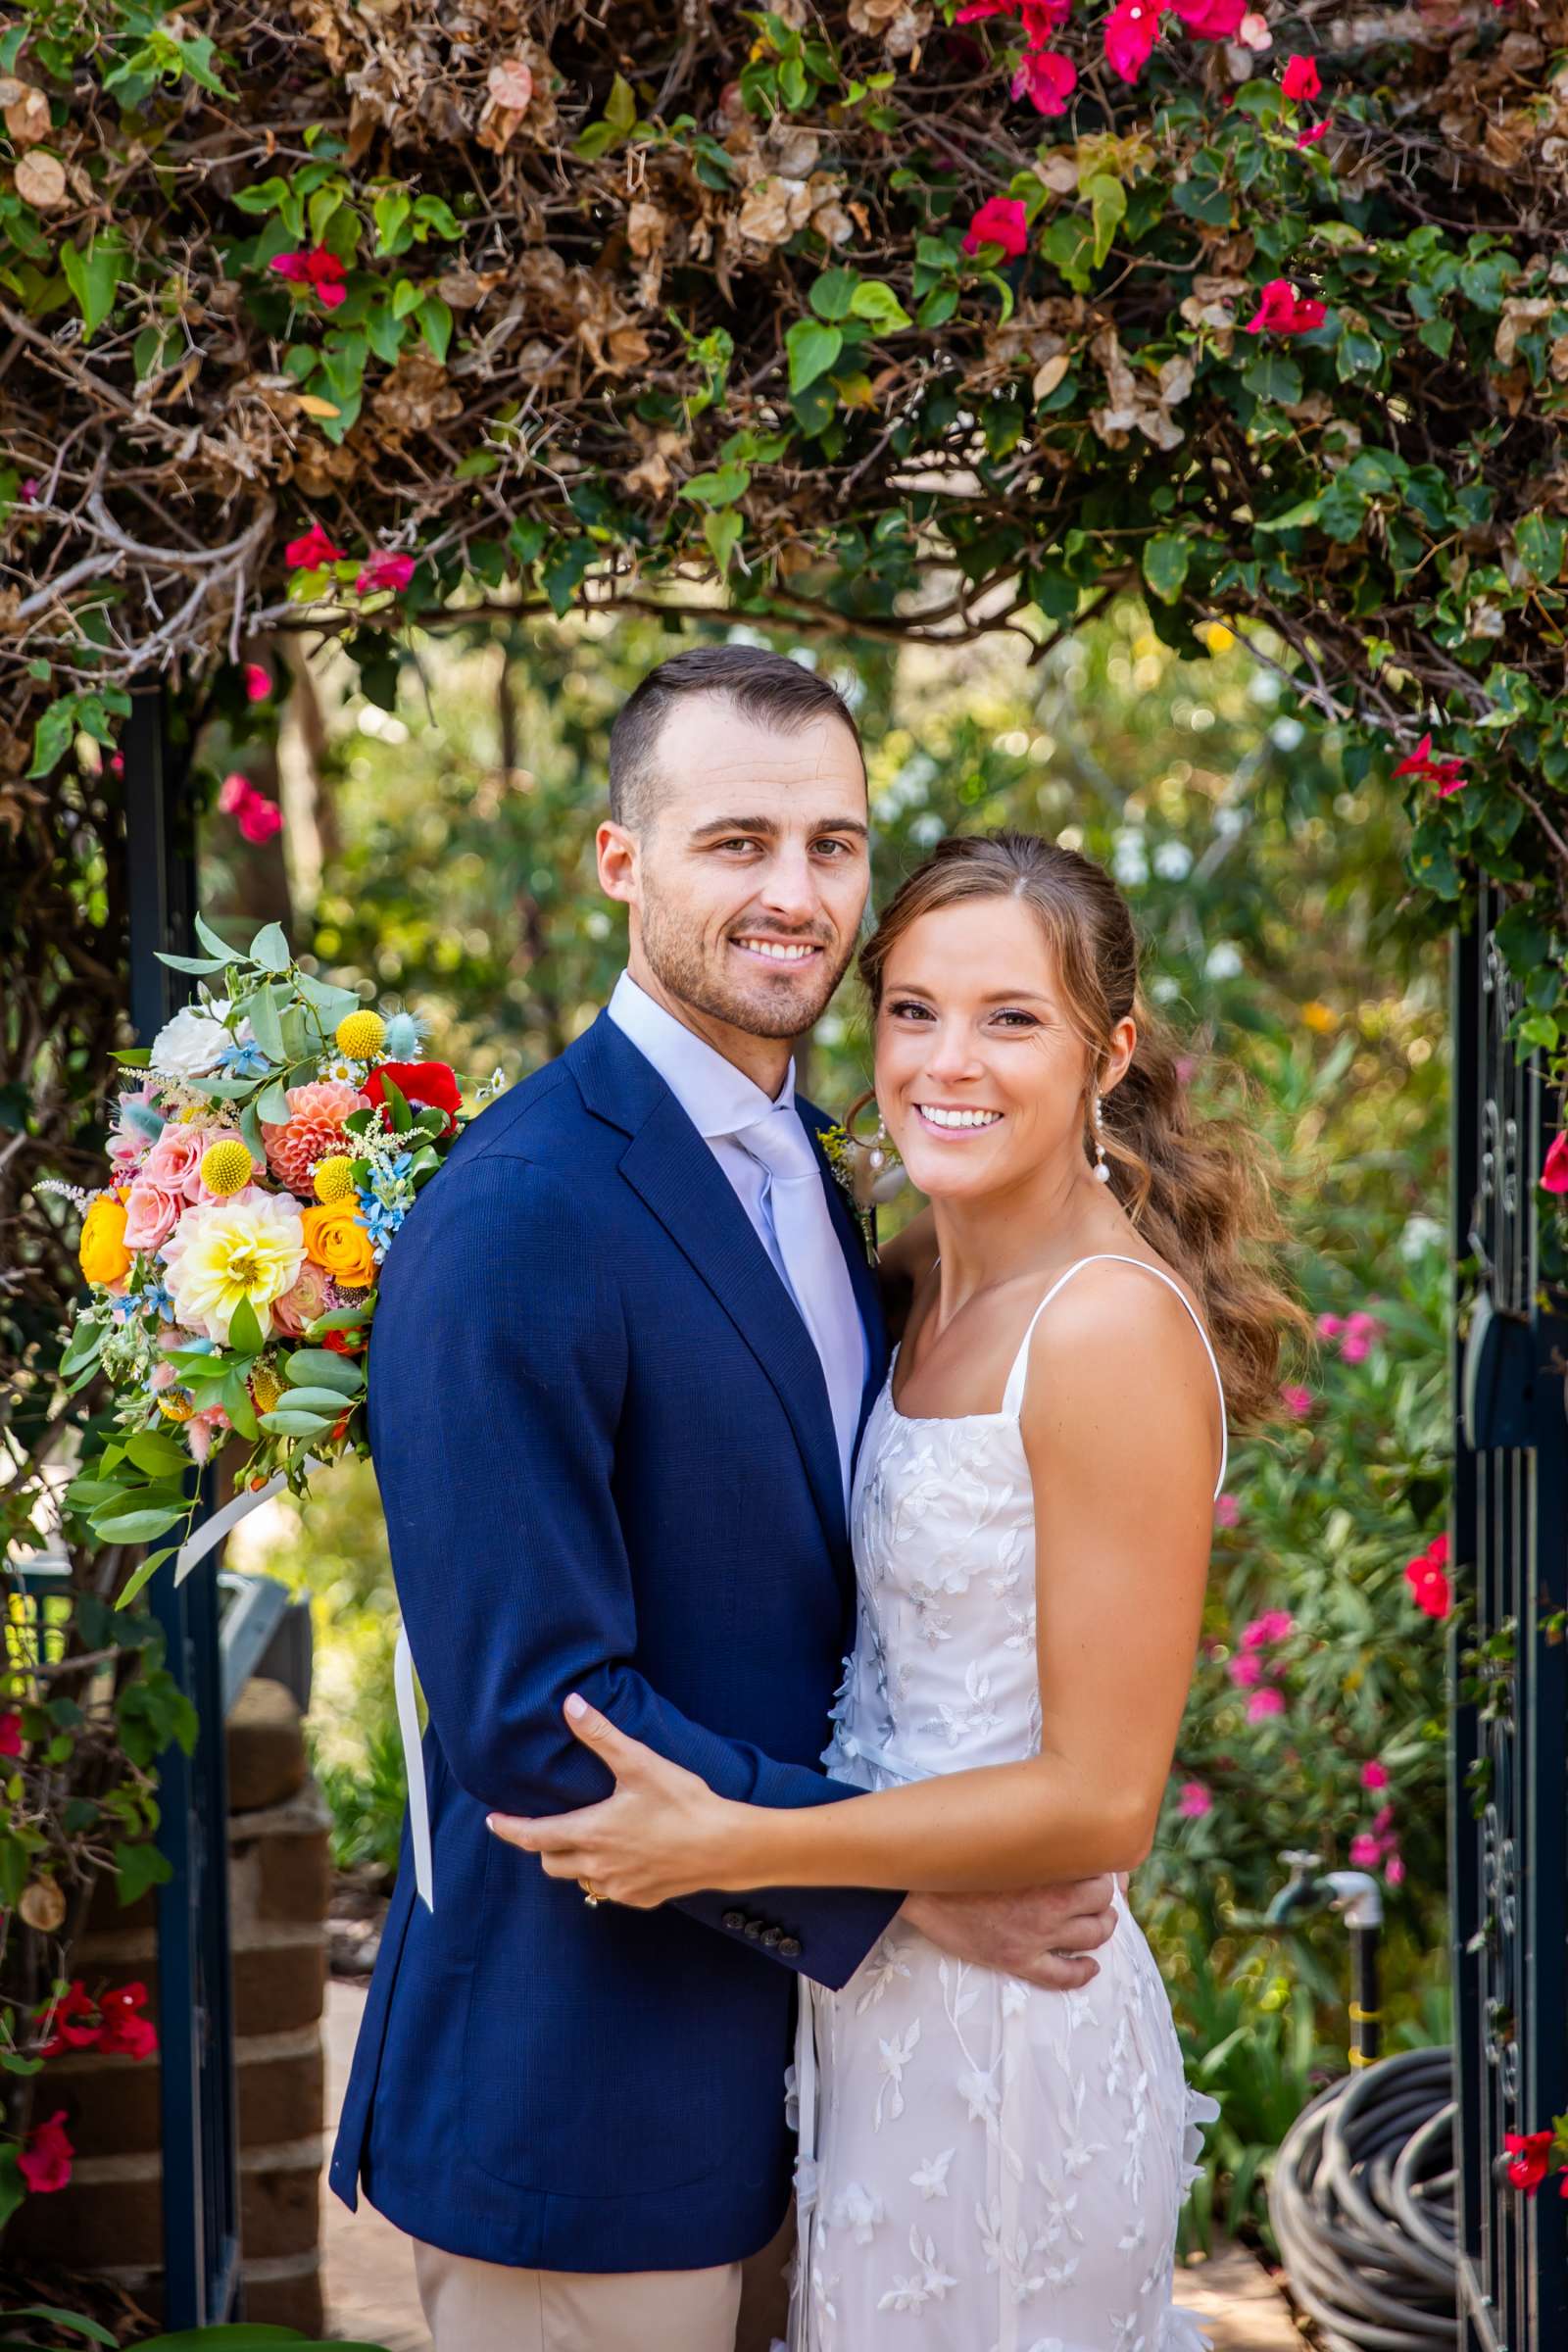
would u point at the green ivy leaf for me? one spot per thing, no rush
(137, 1869)
(813, 349)
(1107, 209)
(723, 534)
(879, 306)
(92, 272)
(1165, 561)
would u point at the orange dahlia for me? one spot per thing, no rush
(313, 1130)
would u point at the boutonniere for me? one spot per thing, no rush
(868, 1168)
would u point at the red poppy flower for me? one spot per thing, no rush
(1532, 2158)
(418, 1083)
(1555, 1175)
(320, 272)
(45, 2162)
(1001, 221)
(1131, 31)
(1301, 80)
(1047, 79)
(1284, 312)
(311, 550)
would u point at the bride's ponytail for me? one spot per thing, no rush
(1198, 1190)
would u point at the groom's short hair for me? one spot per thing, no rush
(766, 687)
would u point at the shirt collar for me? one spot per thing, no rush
(716, 1097)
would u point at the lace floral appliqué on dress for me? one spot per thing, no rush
(985, 2167)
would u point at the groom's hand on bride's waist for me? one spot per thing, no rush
(1044, 1934)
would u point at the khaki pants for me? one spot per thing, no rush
(473, 2306)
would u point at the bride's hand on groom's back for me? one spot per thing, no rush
(1044, 1936)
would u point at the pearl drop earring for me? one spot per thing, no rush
(1102, 1168)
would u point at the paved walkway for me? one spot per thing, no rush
(371, 2295)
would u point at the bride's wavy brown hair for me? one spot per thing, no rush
(1198, 1190)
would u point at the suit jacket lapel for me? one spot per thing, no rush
(862, 1274)
(671, 1168)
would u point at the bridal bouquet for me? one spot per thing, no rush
(272, 1142)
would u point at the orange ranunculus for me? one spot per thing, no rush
(102, 1251)
(334, 1241)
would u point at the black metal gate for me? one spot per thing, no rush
(198, 2124)
(1508, 1793)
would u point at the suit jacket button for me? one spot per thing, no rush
(754, 1928)
(772, 1936)
(789, 1947)
(734, 1921)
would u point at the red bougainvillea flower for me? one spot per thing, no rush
(1284, 312)
(1194, 1801)
(385, 572)
(1553, 1176)
(125, 2029)
(1311, 136)
(1532, 2158)
(10, 1733)
(258, 682)
(45, 2162)
(1047, 79)
(311, 550)
(418, 1083)
(1042, 20)
(1001, 221)
(1425, 1579)
(973, 11)
(1211, 20)
(257, 817)
(1131, 31)
(1448, 774)
(1301, 80)
(78, 2025)
(320, 271)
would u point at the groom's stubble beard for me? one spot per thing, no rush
(782, 1008)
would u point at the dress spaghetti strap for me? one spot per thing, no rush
(1012, 1396)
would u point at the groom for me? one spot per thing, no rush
(622, 1353)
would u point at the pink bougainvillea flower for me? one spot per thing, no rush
(1311, 136)
(258, 682)
(1394, 1870)
(1043, 19)
(10, 1733)
(1360, 1331)
(1262, 1703)
(973, 11)
(1532, 2158)
(1254, 32)
(1194, 1801)
(1438, 1552)
(1283, 311)
(1245, 1670)
(386, 571)
(45, 2162)
(320, 271)
(1047, 79)
(233, 793)
(1211, 20)
(127, 2030)
(1275, 1625)
(1365, 1851)
(1374, 1774)
(1428, 1583)
(1227, 1510)
(1001, 221)
(1301, 80)
(260, 818)
(1383, 1820)
(75, 2005)
(1131, 31)
(1555, 1173)
(311, 550)
(1329, 1327)
(1297, 1401)
(1447, 774)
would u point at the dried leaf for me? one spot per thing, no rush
(41, 179)
(26, 111)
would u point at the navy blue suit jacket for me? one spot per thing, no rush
(608, 1462)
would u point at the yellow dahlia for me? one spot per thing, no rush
(361, 1034)
(229, 1250)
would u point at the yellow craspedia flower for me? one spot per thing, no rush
(361, 1034)
(226, 1166)
(333, 1178)
(101, 1253)
(339, 1245)
(265, 1388)
(177, 1405)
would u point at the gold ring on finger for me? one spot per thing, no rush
(590, 1896)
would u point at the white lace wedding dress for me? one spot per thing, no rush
(983, 2167)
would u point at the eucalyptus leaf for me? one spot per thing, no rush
(283, 1424)
(322, 1368)
(269, 949)
(263, 1011)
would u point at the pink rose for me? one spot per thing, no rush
(304, 1303)
(174, 1163)
(151, 1216)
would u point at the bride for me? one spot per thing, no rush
(985, 2165)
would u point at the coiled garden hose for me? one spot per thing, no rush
(1363, 2203)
